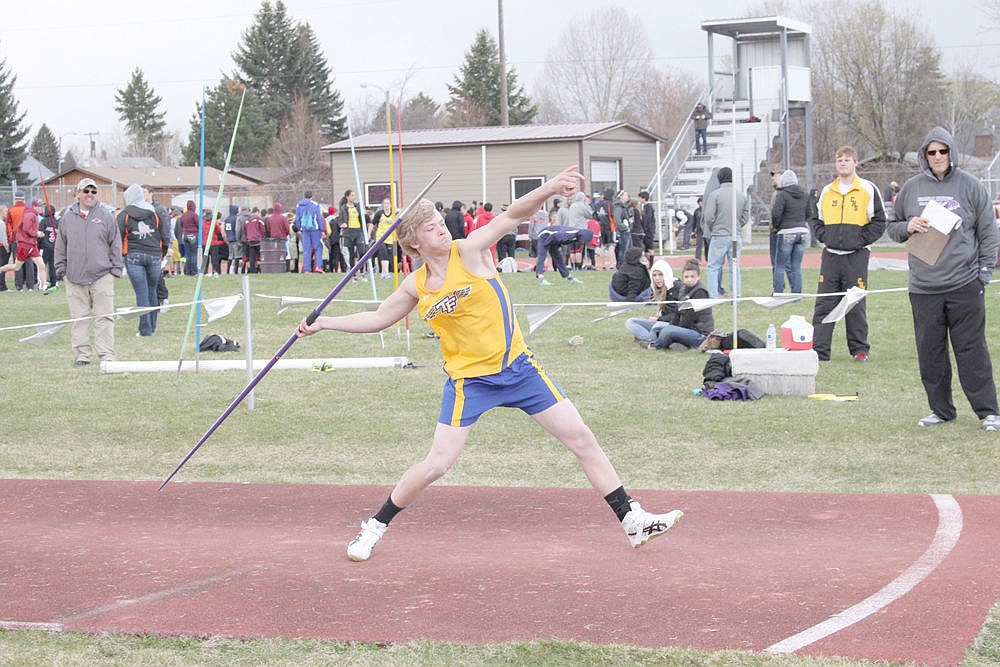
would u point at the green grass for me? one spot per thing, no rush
(367, 426)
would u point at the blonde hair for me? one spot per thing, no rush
(406, 233)
(848, 151)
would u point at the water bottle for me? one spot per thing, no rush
(772, 338)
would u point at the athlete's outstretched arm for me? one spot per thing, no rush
(565, 184)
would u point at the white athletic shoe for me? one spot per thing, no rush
(642, 526)
(933, 420)
(361, 546)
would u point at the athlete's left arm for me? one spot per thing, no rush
(393, 309)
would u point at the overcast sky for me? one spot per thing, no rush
(71, 57)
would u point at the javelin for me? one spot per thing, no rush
(310, 319)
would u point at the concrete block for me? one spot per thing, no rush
(782, 372)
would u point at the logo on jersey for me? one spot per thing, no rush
(448, 303)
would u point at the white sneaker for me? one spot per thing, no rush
(933, 420)
(361, 546)
(991, 423)
(642, 526)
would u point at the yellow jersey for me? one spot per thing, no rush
(384, 221)
(474, 318)
(353, 217)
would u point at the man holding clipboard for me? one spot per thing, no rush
(946, 219)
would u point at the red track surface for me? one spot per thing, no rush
(475, 565)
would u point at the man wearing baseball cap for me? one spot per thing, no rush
(89, 258)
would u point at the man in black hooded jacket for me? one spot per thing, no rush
(455, 221)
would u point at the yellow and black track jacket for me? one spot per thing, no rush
(849, 221)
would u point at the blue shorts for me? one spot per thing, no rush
(522, 385)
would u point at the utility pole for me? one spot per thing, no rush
(504, 110)
(93, 147)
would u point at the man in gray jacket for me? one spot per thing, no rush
(946, 297)
(718, 221)
(89, 258)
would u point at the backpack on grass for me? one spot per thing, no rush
(217, 343)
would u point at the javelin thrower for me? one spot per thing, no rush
(458, 292)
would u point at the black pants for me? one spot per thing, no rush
(337, 261)
(27, 276)
(838, 273)
(961, 316)
(700, 244)
(506, 246)
(215, 257)
(252, 253)
(354, 240)
(49, 257)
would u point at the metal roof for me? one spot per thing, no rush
(259, 174)
(475, 136)
(158, 177)
(757, 26)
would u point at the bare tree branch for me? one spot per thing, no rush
(877, 80)
(297, 149)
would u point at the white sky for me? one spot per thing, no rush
(71, 57)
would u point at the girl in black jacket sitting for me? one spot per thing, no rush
(681, 328)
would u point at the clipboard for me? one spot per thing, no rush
(927, 246)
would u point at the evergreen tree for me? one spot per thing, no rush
(476, 93)
(325, 103)
(45, 147)
(138, 108)
(69, 160)
(253, 138)
(418, 113)
(281, 60)
(421, 113)
(13, 133)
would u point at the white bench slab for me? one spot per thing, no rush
(783, 372)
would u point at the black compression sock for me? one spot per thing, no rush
(388, 511)
(619, 502)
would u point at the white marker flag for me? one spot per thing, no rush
(219, 308)
(851, 299)
(539, 315)
(43, 335)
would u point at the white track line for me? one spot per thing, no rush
(28, 625)
(948, 531)
(156, 596)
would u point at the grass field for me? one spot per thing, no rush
(366, 426)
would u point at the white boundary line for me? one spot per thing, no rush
(28, 625)
(155, 596)
(948, 531)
